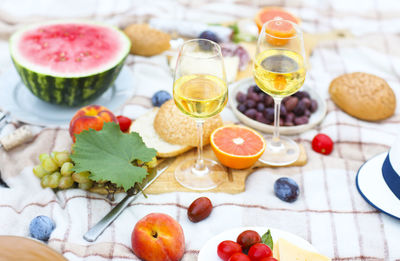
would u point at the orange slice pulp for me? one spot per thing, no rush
(276, 30)
(237, 147)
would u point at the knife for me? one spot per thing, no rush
(93, 233)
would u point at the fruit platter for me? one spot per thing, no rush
(243, 134)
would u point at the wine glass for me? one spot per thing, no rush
(200, 91)
(279, 70)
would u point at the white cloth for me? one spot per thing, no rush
(329, 213)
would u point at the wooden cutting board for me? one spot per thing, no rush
(236, 179)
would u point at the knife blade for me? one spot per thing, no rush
(93, 233)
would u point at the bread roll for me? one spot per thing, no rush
(364, 96)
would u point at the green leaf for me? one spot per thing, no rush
(235, 28)
(267, 239)
(108, 155)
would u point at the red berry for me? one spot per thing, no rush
(239, 257)
(248, 238)
(259, 251)
(268, 259)
(124, 123)
(227, 248)
(322, 144)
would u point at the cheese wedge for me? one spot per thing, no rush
(275, 250)
(289, 252)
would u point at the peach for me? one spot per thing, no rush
(90, 117)
(158, 237)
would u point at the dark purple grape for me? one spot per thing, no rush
(290, 117)
(291, 103)
(240, 97)
(281, 122)
(299, 109)
(314, 105)
(269, 114)
(253, 96)
(244, 57)
(301, 120)
(268, 101)
(260, 107)
(306, 95)
(250, 103)
(301, 95)
(251, 89)
(242, 108)
(288, 123)
(307, 113)
(283, 111)
(261, 118)
(307, 102)
(284, 100)
(251, 113)
(286, 189)
(257, 89)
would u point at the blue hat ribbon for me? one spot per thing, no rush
(391, 177)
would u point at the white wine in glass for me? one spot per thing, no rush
(279, 70)
(200, 91)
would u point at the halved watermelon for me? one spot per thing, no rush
(69, 62)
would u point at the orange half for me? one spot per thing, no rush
(237, 147)
(276, 29)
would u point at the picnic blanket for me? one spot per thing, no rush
(330, 213)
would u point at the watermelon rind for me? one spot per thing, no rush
(73, 89)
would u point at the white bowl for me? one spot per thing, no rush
(314, 120)
(209, 251)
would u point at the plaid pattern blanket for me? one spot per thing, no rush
(329, 213)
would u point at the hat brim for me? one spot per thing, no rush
(373, 188)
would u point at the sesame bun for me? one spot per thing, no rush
(144, 126)
(177, 128)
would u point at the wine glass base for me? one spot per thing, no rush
(281, 153)
(207, 178)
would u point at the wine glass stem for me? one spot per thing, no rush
(277, 113)
(200, 162)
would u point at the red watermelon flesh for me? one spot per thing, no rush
(70, 48)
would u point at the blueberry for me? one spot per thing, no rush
(286, 189)
(207, 46)
(209, 36)
(160, 97)
(41, 227)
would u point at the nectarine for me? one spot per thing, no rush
(90, 117)
(158, 237)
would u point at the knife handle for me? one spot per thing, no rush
(99, 228)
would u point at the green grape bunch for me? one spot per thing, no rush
(56, 171)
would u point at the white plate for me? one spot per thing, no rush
(209, 251)
(24, 106)
(315, 118)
